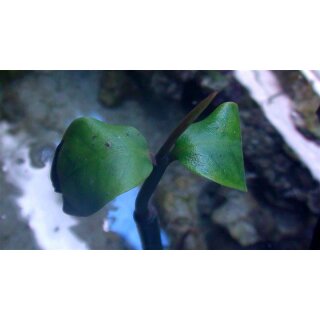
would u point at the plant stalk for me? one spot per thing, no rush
(145, 217)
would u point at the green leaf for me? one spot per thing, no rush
(212, 147)
(96, 162)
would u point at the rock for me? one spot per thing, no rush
(164, 85)
(245, 232)
(11, 107)
(116, 86)
(281, 204)
(280, 179)
(40, 153)
(234, 215)
(313, 201)
(90, 230)
(7, 76)
(114, 242)
(186, 87)
(306, 102)
(238, 213)
(176, 201)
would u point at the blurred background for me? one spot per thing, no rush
(281, 143)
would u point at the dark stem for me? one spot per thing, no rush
(145, 217)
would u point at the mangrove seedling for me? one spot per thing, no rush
(96, 161)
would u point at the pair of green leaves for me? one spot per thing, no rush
(96, 161)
